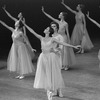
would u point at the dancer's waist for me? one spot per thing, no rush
(78, 22)
(51, 51)
(46, 51)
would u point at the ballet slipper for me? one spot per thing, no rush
(66, 68)
(21, 77)
(49, 95)
(60, 93)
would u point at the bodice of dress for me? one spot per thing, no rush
(62, 26)
(17, 36)
(46, 46)
(78, 18)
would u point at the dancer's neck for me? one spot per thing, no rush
(55, 33)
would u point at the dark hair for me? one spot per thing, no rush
(20, 25)
(64, 14)
(81, 6)
(55, 24)
(51, 31)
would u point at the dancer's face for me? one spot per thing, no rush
(60, 15)
(78, 7)
(47, 30)
(54, 27)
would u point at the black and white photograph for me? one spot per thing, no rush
(49, 50)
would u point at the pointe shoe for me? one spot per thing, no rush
(66, 68)
(21, 77)
(49, 95)
(60, 94)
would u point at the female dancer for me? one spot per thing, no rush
(68, 56)
(48, 73)
(92, 20)
(80, 29)
(19, 59)
(29, 47)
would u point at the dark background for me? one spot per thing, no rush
(31, 10)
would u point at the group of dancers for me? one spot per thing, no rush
(56, 46)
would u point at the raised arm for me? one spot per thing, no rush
(24, 29)
(5, 25)
(27, 40)
(92, 20)
(32, 31)
(13, 18)
(73, 11)
(49, 16)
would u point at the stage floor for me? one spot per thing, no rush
(82, 81)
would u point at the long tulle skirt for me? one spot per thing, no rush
(19, 59)
(48, 73)
(78, 39)
(86, 42)
(68, 55)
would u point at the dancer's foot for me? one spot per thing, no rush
(66, 68)
(60, 93)
(49, 95)
(21, 77)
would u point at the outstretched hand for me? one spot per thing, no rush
(4, 7)
(62, 1)
(24, 20)
(42, 9)
(87, 14)
(20, 15)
